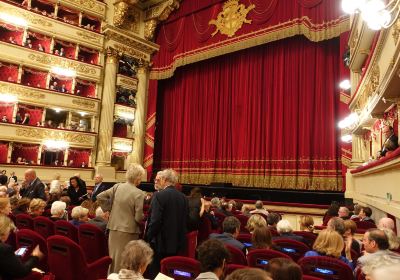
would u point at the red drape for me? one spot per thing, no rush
(34, 112)
(262, 117)
(8, 72)
(88, 55)
(8, 31)
(69, 48)
(120, 130)
(150, 128)
(86, 89)
(6, 109)
(34, 78)
(25, 151)
(3, 152)
(43, 40)
(78, 156)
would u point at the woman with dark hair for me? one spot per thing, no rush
(196, 209)
(76, 191)
(284, 269)
(261, 238)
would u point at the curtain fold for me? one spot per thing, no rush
(3, 152)
(262, 117)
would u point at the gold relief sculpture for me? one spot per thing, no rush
(90, 36)
(112, 55)
(353, 42)
(130, 43)
(120, 12)
(396, 31)
(130, 51)
(132, 19)
(84, 103)
(89, 4)
(373, 82)
(52, 134)
(64, 63)
(129, 82)
(149, 29)
(21, 91)
(123, 111)
(232, 17)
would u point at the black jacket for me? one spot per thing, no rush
(11, 266)
(102, 187)
(393, 138)
(77, 196)
(34, 190)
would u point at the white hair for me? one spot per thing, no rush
(135, 171)
(284, 226)
(99, 212)
(79, 212)
(382, 267)
(170, 176)
(57, 207)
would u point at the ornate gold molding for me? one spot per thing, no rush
(373, 82)
(40, 133)
(120, 110)
(112, 55)
(149, 29)
(396, 31)
(84, 103)
(96, 6)
(65, 63)
(129, 51)
(231, 18)
(353, 41)
(21, 92)
(90, 36)
(143, 66)
(122, 12)
(127, 82)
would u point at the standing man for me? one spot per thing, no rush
(98, 186)
(125, 202)
(166, 229)
(34, 188)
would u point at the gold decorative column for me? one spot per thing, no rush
(398, 123)
(107, 110)
(9, 152)
(357, 151)
(139, 126)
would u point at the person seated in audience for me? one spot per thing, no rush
(22, 206)
(28, 44)
(344, 213)
(356, 212)
(63, 89)
(83, 165)
(87, 26)
(36, 207)
(196, 209)
(66, 199)
(62, 52)
(61, 126)
(44, 12)
(27, 119)
(12, 40)
(249, 274)
(49, 124)
(387, 224)
(18, 118)
(71, 163)
(5, 206)
(137, 255)
(40, 48)
(76, 191)
(231, 230)
(255, 221)
(391, 141)
(212, 256)
(307, 223)
(350, 228)
(245, 210)
(261, 238)
(79, 216)
(225, 209)
(329, 243)
(101, 219)
(215, 203)
(284, 269)
(365, 215)
(58, 211)
(376, 243)
(4, 119)
(209, 214)
(259, 208)
(11, 265)
(382, 267)
(390, 147)
(285, 230)
(56, 52)
(54, 86)
(272, 220)
(55, 184)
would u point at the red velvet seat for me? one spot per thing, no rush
(29, 238)
(309, 277)
(292, 248)
(363, 226)
(232, 267)
(67, 229)
(244, 237)
(67, 261)
(243, 222)
(236, 255)
(205, 229)
(260, 257)
(44, 226)
(308, 236)
(191, 245)
(180, 268)
(24, 221)
(93, 242)
(326, 268)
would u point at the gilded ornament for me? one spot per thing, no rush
(90, 36)
(89, 4)
(353, 41)
(84, 103)
(232, 17)
(396, 31)
(120, 13)
(149, 29)
(130, 83)
(130, 51)
(64, 63)
(21, 91)
(40, 133)
(373, 82)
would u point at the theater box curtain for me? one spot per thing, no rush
(264, 117)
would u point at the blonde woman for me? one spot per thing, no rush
(255, 221)
(307, 223)
(5, 206)
(79, 216)
(36, 207)
(329, 243)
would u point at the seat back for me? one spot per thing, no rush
(180, 268)
(29, 238)
(243, 222)
(292, 248)
(363, 226)
(245, 238)
(309, 237)
(260, 257)
(67, 229)
(205, 229)
(24, 221)
(236, 255)
(44, 226)
(191, 245)
(309, 277)
(65, 258)
(232, 267)
(93, 242)
(326, 268)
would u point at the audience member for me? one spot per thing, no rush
(375, 243)
(388, 132)
(386, 223)
(212, 256)
(225, 209)
(350, 228)
(4, 119)
(55, 185)
(284, 269)
(196, 209)
(272, 220)
(40, 48)
(231, 230)
(79, 215)
(18, 118)
(285, 230)
(382, 267)
(101, 219)
(357, 209)
(261, 238)
(344, 213)
(135, 258)
(26, 119)
(99, 187)
(329, 243)
(215, 203)
(166, 229)
(337, 225)
(36, 207)
(12, 40)
(255, 221)
(249, 274)
(209, 214)
(34, 187)
(126, 212)
(22, 206)
(259, 208)
(307, 223)
(12, 176)
(365, 215)
(246, 210)
(58, 211)
(5, 206)
(76, 191)
(11, 266)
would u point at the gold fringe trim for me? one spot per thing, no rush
(280, 182)
(149, 141)
(148, 161)
(344, 98)
(151, 121)
(288, 29)
(250, 160)
(346, 161)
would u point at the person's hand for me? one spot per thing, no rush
(348, 241)
(37, 253)
(202, 201)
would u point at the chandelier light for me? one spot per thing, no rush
(345, 84)
(56, 144)
(349, 122)
(8, 98)
(122, 147)
(13, 20)
(375, 13)
(63, 71)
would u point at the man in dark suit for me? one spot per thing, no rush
(391, 141)
(98, 186)
(34, 188)
(166, 228)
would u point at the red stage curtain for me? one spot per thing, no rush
(79, 156)
(25, 151)
(150, 128)
(3, 152)
(6, 109)
(262, 117)
(8, 72)
(120, 130)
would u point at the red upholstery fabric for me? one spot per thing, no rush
(64, 253)
(44, 226)
(299, 248)
(66, 229)
(120, 130)
(173, 266)
(30, 239)
(260, 257)
(87, 89)
(25, 151)
(24, 221)
(380, 161)
(191, 245)
(93, 242)
(308, 277)
(308, 236)
(34, 78)
(33, 276)
(339, 270)
(3, 152)
(79, 156)
(363, 226)
(243, 222)
(37, 39)
(236, 255)
(6, 109)
(205, 229)
(7, 31)
(8, 72)
(232, 267)
(88, 55)
(244, 237)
